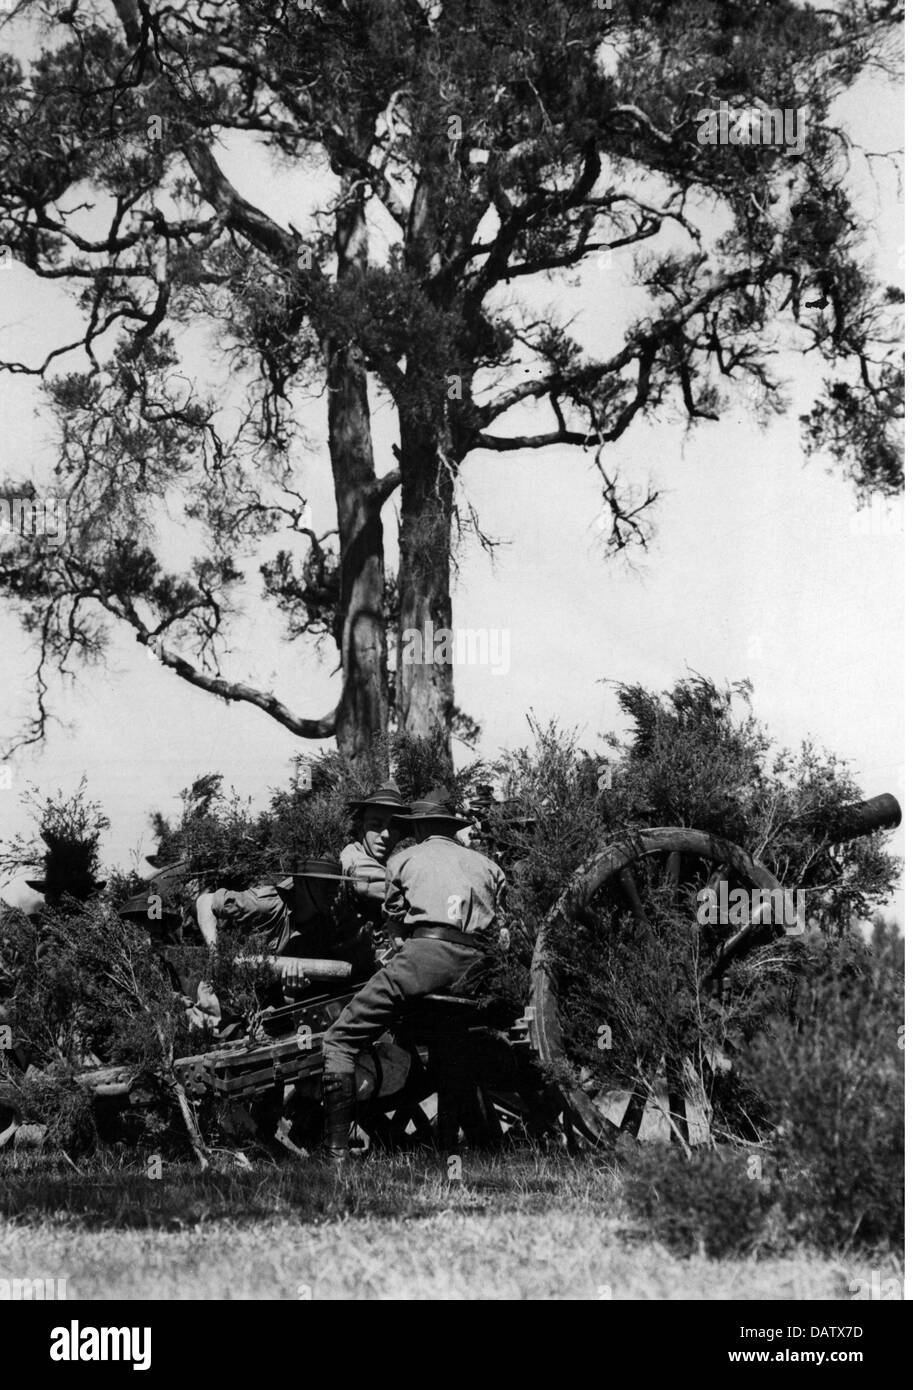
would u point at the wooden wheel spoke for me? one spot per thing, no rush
(612, 1105)
(655, 1122)
(632, 895)
(672, 869)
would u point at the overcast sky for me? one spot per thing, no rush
(761, 567)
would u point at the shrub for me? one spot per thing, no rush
(708, 1203)
(826, 1078)
(87, 984)
(697, 756)
(69, 830)
(54, 1099)
(828, 1072)
(225, 844)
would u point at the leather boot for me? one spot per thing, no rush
(338, 1113)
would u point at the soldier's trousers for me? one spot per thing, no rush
(422, 967)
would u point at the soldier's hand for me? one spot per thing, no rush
(293, 972)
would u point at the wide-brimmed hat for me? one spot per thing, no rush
(385, 797)
(510, 813)
(311, 868)
(435, 806)
(40, 885)
(137, 906)
(158, 862)
(172, 873)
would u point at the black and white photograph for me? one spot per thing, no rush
(452, 630)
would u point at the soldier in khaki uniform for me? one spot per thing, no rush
(443, 898)
(263, 912)
(365, 859)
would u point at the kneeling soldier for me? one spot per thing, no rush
(443, 898)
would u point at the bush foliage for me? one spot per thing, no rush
(824, 1078)
(828, 1073)
(223, 843)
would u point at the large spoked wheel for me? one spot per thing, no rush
(615, 884)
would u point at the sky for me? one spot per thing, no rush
(761, 567)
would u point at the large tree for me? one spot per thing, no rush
(465, 147)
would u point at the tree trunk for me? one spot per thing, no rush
(362, 714)
(424, 667)
(424, 685)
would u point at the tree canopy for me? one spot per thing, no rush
(458, 152)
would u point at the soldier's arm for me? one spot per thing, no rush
(394, 901)
(206, 918)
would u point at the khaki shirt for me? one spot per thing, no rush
(259, 911)
(443, 882)
(356, 860)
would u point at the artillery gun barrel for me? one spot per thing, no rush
(862, 818)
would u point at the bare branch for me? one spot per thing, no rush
(236, 691)
(237, 213)
(660, 330)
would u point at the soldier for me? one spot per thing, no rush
(379, 834)
(502, 844)
(285, 920)
(60, 881)
(266, 912)
(365, 860)
(443, 898)
(163, 907)
(164, 923)
(263, 911)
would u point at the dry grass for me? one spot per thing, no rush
(453, 1255)
(532, 1227)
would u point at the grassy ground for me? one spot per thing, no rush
(526, 1227)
